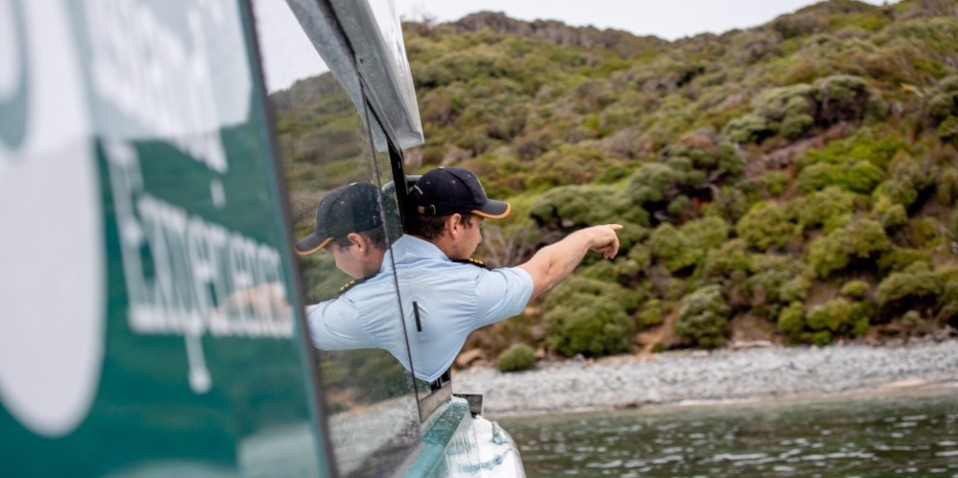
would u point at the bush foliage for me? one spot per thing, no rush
(703, 317)
(589, 317)
(516, 358)
(797, 110)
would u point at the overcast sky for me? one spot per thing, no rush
(669, 19)
(289, 56)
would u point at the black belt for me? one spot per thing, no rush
(440, 382)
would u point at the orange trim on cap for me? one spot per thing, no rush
(493, 216)
(315, 249)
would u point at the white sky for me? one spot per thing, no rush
(289, 56)
(669, 19)
(287, 53)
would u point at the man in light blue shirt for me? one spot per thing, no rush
(444, 296)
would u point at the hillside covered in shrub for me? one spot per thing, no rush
(794, 182)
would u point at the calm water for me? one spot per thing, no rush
(906, 434)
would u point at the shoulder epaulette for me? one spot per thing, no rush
(473, 261)
(351, 284)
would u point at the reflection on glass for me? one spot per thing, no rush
(371, 407)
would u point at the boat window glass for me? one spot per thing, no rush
(370, 400)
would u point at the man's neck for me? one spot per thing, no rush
(443, 243)
(375, 264)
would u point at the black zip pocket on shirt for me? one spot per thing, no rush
(415, 312)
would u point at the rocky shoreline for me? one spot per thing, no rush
(720, 375)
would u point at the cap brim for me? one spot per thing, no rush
(493, 209)
(311, 244)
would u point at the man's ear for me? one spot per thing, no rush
(450, 226)
(359, 241)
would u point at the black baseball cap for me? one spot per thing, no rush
(445, 191)
(351, 208)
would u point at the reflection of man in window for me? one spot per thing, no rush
(444, 295)
(349, 225)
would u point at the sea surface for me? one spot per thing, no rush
(906, 433)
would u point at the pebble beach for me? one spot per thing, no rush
(725, 375)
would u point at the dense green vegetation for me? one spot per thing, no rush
(803, 173)
(517, 357)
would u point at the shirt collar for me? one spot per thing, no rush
(413, 246)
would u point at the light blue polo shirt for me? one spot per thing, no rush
(452, 300)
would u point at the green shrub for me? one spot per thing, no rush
(948, 300)
(730, 204)
(902, 290)
(775, 182)
(624, 269)
(654, 185)
(768, 285)
(598, 327)
(688, 247)
(678, 206)
(943, 108)
(862, 177)
(792, 320)
(732, 256)
(672, 246)
(667, 287)
(795, 110)
(863, 314)
(788, 109)
(750, 128)
(925, 232)
(832, 315)
(836, 318)
(946, 188)
(566, 165)
(796, 125)
(841, 317)
(590, 317)
(767, 224)
(944, 100)
(601, 270)
(699, 155)
(890, 215)
(706, 233)
(855, 289)
(795, 289)
(868, 144)
(841, 98)
(650, 313)
(861, 239)
(578, 206)
(864, 238)
(517, 357)
(641, 255)
(949, 290)
(898, 259)
(817, 208)
(856, 164)
(858, 177)
(948, 129)
(728, 163)
(821, 338)
(703, 317)
(909, 180)
(465, 65)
